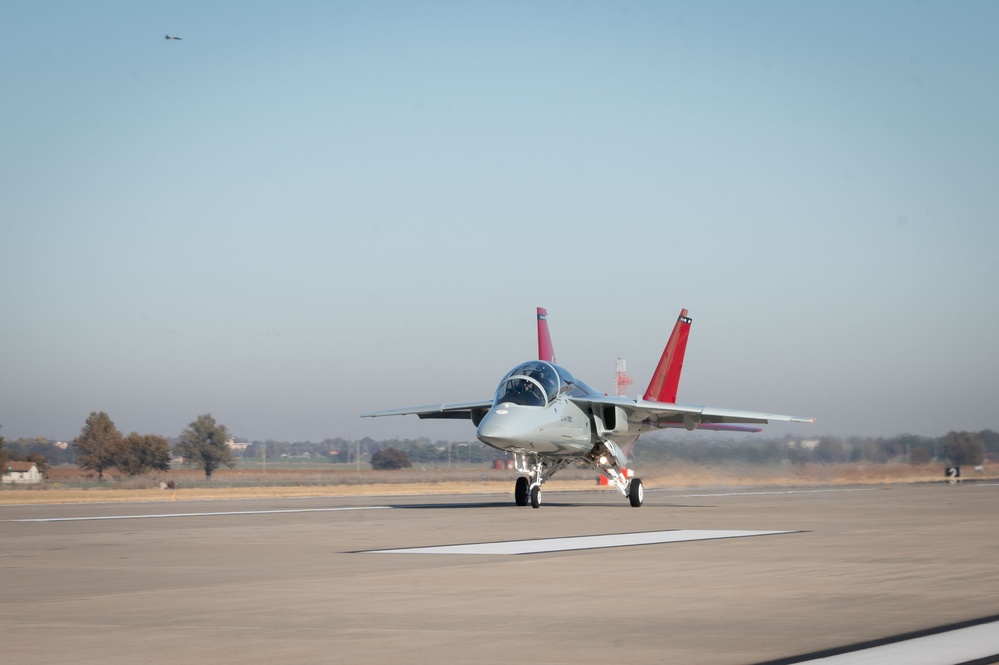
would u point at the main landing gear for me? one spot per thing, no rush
(636, 493)
(524, 492)
(527, 490)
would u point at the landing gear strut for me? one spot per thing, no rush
(608, 458)
(528, 490)
(537, 470)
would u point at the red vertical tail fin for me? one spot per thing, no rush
(545, 350)
(664, 382)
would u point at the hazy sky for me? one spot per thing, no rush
(308, 210)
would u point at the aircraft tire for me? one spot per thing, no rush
(522, 491)
(536, 496)
(636, 493)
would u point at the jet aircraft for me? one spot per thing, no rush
(548, 419)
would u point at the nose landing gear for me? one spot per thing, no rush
(528, 487)
(525, 492)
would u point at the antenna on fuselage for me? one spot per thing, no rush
(623, 380)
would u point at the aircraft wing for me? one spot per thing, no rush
(454, 410)
(668, 414)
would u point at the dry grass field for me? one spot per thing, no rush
(71, 485)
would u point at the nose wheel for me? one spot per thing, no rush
(522, 491)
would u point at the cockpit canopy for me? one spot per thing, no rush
(534, 383)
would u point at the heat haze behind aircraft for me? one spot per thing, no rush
(547, 419)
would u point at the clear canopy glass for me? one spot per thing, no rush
(534, 383)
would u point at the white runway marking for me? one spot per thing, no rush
(765, 492)
(580, 542)
(233, 512)
(979, 644)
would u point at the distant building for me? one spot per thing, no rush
(238, 445)
(19, 473)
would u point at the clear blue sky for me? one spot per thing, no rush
(307, 210)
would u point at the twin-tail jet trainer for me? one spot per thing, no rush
(548, 419)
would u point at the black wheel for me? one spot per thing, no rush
(636, 493)
(522, 491)
(536, 496)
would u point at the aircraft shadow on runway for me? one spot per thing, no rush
(547, 504)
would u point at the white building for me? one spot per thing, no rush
(238, 445)
(22, 473)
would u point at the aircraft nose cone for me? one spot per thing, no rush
(491, 431)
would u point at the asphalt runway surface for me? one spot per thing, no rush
(776, 575)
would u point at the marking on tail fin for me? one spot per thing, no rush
(664, 382)
(545, 350)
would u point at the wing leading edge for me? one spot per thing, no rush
(459, 410)
(667, 414)
(657, 409)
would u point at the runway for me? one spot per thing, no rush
(831, 575)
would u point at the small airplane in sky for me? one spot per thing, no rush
(549, 420)
(172, 38)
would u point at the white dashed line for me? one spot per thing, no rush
(233, 512)
(580, 542)
(971, 644)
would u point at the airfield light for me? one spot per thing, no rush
(603, 460)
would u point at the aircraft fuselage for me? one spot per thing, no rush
(560, 428)
(547, 420)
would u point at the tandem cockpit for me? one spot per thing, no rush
(537, 383)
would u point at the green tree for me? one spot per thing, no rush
(988, 437)
(831, 450)
(206, 444)
(964, 448)
(3, 457)
(139, 453)
(390, 458)
(921, 454)
(98, 444)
